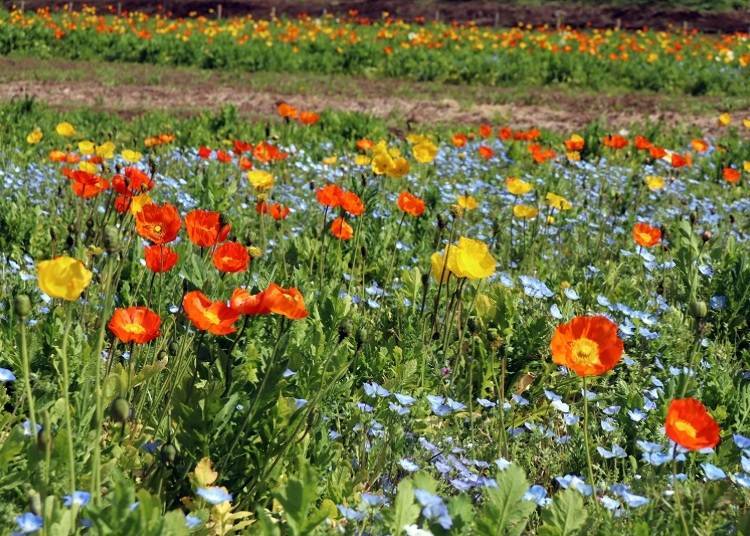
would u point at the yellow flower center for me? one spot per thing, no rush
(585, 351)
(685, 427)
(644, 237)
(157, 228)
(132, 327)
(213, 317)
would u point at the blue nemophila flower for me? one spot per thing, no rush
(364, 407)
(78, 498)
(442, 406)
(408, 465)
(398, 408)
(743, 479)
(616, 452)
(611, 410)
(630, 499)
(718, 302)
(537, 494)
(28, 523)
(299, 403)
(404, 400)
(502, 464)
(27, 428)
(374, 389)
(350, 513)
(6, 375)
(371, 499)
(288, 373)
(192, 521)
(712, 472)
(741, 441)
(519, 400)
(745, 462)
(571, 294)
(609, 503)
(433, 508)
(575, 482)
(554, 310)
(214, 495)
(535, 288)
(486, 403)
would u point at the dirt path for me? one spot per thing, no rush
(131, 90)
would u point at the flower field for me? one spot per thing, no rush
(321, 323)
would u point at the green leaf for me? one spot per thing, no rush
(565, 517)
(505, 511)
(404, 511)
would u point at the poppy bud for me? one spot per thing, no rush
(706, 236)
(70, 242)
(436, 336)
(163, 356)
(425, 279)
(472, 325)
(168, 453)
(35, 502)
(441, 221)
(360, 337)
(22, 305)
(311, 185)
(111, 239)
(698, 308)
(120, 410)
(693, 218)
(90, 223)
(363, 252)
(71, 229)
(345, 329)
(52, 235)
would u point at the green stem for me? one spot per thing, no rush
(27, 377)
(677, 494)
(66, 399)
(586, 440)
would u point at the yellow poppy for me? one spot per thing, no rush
(424, 152)
(138, 202)
(525, 212)
(261, 180)
(65, 129)
(63, 277)
(558, 201)
(466, 202)
(34, 137)
(517, 186)
(654, 182)
(106, 150)
(130, 156)
(86, 147)
(725, 119)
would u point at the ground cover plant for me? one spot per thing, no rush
(328, 322)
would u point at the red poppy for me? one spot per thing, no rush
(657, 152)
(731, 175)
(248, 304)
(285, 301)
(689, 424)
(265, 152)
(231, 257)
(286, 110)
(86, 185)
(341, 230)
(615, 141)
(204, 152)
(459, 139)
(158, 223)
(410, 204)
(540, 154)
(505, 133)
(245, 164)
(329, 195)
(646, 235)
(205, 228)
(486, 152)
(261, 207)
(351, 203)
(587, 345)
(240, 147)
(160, 258)
(309, 118)
(223, 157)
(206, 315)
(485, 130)
(137, 325)
(122, 203)
(678, 160)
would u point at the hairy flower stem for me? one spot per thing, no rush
(96, 458)
(586, 441)
(27, 376)
(394, 257)
(66, 399)
(678, 494)
(442, 277)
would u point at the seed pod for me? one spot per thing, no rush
(22, 305)
(120, 410)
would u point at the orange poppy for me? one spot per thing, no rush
(678, 160)
(223, 156)
(204, 152)
(575, 143)
(285, 301)
(642, 143)
(86, 185)
(248, 304)
(138, 325)
(309, 118)
(160, 258)
(645, 235)
(486, 152)
(410, 204)
(699, 146)
(57, 156)
(133, 182)
(351, 203)
(265, 152)
(485, 130)
(459, 139)
(588, 345)
(505, 133)
(615, 141)
(286, 110)
(206, 228)
(158, 223)
(364, 144)
(240, 147)
(231, 257)
(657, 152)
(122, 203)
(206, 315)
(329, 195)
(341, 230)
(279, 211)
(731, 175)
(689, 424)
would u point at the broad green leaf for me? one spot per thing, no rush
(565, 517)
(505, 511)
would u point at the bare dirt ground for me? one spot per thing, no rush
(133, 89)
(483, 12)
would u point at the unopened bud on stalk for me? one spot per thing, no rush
(111, 239)
(698, 308)
(345, 329)
(706, 236)
(360, 337)
(441, 223)
(120, 410)
(35, 502)
(168, 453)
(472, 325)
(22, 305)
